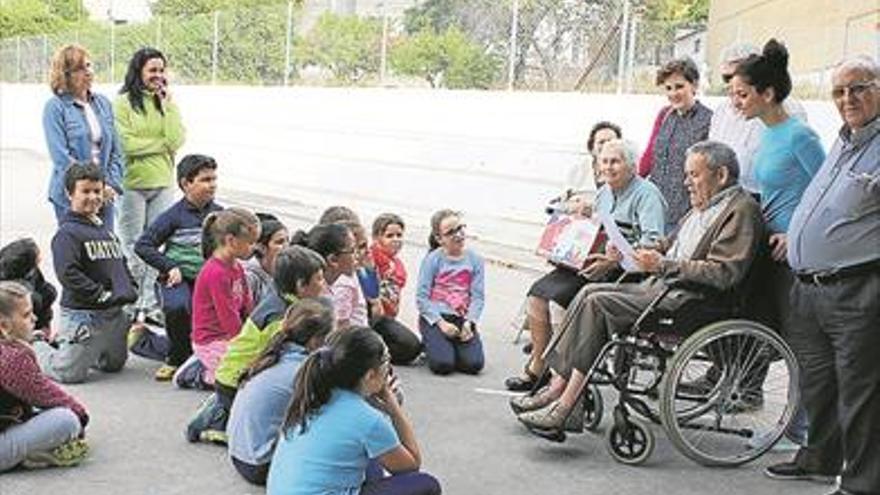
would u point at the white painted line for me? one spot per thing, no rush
(489, 391)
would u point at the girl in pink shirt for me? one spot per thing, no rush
(221, 299)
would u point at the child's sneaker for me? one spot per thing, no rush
(65, 455)
(165, 373)
(214, 436)
(189, 374)
(135, 333)
(210, 417)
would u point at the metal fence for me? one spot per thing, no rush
(554, 45)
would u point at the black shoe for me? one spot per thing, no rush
(524, 384)
(790, 471)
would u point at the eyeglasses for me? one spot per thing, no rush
(854, 90)
(457, 230)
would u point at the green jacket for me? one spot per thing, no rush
(149, 141)
(257, 331)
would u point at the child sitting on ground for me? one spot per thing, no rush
(221, 299)
(299, 273)
(95, 285)
(402, 342)
(267, 386)
(344, 426)
(450, 298)
(20, 262)
(173, 246)
(40, 424)
(261, 266)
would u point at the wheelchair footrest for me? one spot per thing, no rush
(557, 436)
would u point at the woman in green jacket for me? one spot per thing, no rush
(149, 125)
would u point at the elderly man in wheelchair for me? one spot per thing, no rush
(645, 339)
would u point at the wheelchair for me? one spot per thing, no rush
(724, 388)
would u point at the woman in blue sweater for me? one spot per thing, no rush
(788, 157)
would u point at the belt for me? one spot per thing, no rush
(831, 276)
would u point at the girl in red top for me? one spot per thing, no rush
(221, 298)
(403, 344)
(40, 424)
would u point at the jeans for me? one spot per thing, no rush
(177, 307)
(138, 209)
(41, 433)
(107, 214)
(446, 355)
(87, 338)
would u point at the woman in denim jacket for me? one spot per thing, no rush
(78, 124)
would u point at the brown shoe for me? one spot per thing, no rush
(525, 403)
(553, 417)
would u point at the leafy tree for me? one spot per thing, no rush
(186, 8)
(348, 46)
(449, 60)
(28, 17)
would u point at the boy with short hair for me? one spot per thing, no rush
(95, 285)
(172, 245)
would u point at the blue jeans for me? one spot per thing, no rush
(107, 214)
(87, 338)
(137, 210)
(41, 433)
(446, 355)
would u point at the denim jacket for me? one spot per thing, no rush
(68, 139)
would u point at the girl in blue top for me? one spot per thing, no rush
(788, 157)
(343, 415)
(450, 298)
(266, 387)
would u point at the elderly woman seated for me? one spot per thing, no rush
(715, 246)
(637, 206)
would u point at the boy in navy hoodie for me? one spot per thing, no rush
(95, 285)
(172, 245)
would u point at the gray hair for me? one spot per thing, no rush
(718, 155)
(863, 63)
(737, 52)
(628, 150)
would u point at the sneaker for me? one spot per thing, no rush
(65, 455)
(165, 373)
(214, 436)
(135, 334)
(790, 471)
(189, 375)
(210, 416)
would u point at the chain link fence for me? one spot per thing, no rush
(546, 45)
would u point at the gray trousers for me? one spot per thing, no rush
(86, 339)
(42, 433)
(834, 331)
(137, 210)
(597, 312)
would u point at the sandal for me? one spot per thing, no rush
(526, 382)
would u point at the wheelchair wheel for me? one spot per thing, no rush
(630, 442)
(594, 407)
(729, 392)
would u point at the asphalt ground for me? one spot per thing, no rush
(468, 436)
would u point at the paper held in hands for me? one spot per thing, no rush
(616, 239)
(568, 241)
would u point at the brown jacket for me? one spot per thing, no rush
(727, 250)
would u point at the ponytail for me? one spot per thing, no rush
(350, 355)
(235, 221)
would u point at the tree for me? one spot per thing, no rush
(348, 46)
(28, 17)
(449, 59)
(186, 8)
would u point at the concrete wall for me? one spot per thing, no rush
(818, 33)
